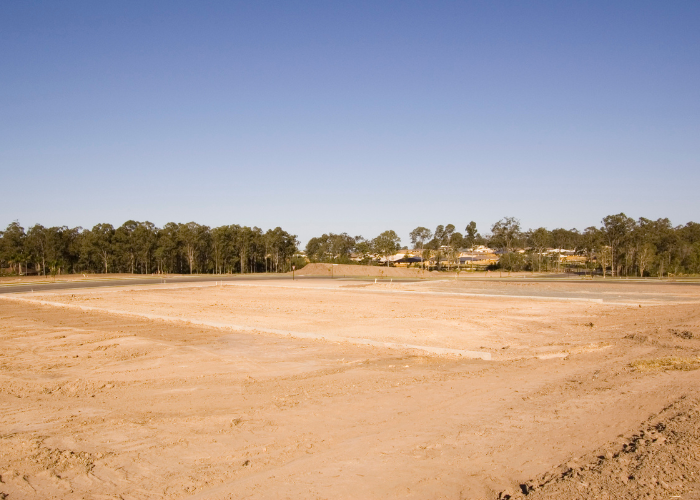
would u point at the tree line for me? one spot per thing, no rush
(143, 248)
(620, 246)
(339, 248)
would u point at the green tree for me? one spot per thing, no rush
(387, 244)
(102, 242)
(591, 244)
(189, 236)
(330, 248)
(125, 245)
(145, 238)
(282, 246)
(471, 235)
(13, 250)
(219, 239)
(505, 233)
(615, 229)
(539, 240)
(419, 236)
(37, 242)
(511, 261)
(454, 244)
(440, 242)
(563, 239)
(244, 243)
(166, 253)
(364, 248)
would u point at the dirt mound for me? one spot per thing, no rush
(660, 461)
(341, 270)
(684, 334)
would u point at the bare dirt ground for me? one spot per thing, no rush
(319, 269)
(231, 392)
(67, 277)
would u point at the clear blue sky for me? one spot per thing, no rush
(349, 116)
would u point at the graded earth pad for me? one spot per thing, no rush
(214, 392)
(340, 270)
(5, 280)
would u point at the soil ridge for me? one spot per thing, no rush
(661, 460)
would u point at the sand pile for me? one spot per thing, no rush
(372, 271)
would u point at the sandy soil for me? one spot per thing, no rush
(64, 278)
(317, 269)
(355, 270)
(67, 278)
(188, 392)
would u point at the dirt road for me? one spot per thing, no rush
(100, 400)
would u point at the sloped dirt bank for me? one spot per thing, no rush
(340, 270)
(661, 460)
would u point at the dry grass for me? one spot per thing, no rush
(668, 363)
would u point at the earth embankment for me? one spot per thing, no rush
(318, 269)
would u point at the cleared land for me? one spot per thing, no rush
(230, 391)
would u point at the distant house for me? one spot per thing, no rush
(482, 249)
(403, 259)
(409, 259)
(560, 251)
(573, 260)
(477, 260)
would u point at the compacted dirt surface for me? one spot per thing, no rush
(349, 389)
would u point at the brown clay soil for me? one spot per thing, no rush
(336, 270)
(6, 280)
(209, 392)
(339, 270)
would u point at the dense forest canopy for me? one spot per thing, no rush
(621, 246)
(141, 247)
